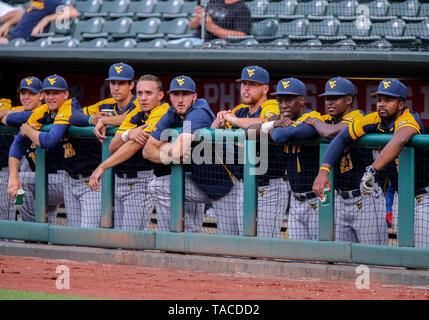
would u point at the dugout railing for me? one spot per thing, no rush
(325, 249)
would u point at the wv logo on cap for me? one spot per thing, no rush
(52, 80)
(386, 84)
(286, 84)
(251, 72)
(332, 84)
(29, 81)
(118, 69)
(180, 81)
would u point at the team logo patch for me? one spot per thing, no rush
(386, 84)
(86, 181)
(29, 81)
(131, 185)
(286, 84)
(332, 84)
(262, 192)
(313, 205)
(118, 69)
(419, 199)
(251, 72)
(52, 80)
(359, 204)
(180, 81)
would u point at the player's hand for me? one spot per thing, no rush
(228, 116)
(367, 182)
(321, 181)
(94, 181)
(138, 135)
(283, 122)
(96, 117)
(100, 131)
(13, 187)
(4, 29)
(199, 13)
(39, 27)
(221, 117)
(25, 129)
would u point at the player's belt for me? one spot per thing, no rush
(422, 191)
(128, 175)
(304, 196)
(349, 194)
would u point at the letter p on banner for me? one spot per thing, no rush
(63, 280)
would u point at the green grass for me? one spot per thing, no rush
(26, 295)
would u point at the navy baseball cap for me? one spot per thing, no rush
(255, 74)
(55, 82)
(338, 87)
(392, 87)
(182, 83)
(31, 83)
(121, 71)
(290, 86)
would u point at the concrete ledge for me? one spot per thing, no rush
(285, 269)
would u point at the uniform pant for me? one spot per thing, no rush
(83, 206)
(54, 199)
(421, 219)
(159, 189)
(272, 204)
(303, 220)
(133, 204)
(7, 206)
(361, 219)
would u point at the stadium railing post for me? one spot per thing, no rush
(41, 192)
(250, 189)
(406, 176)
(177, 198)
(107, 188)
(326, 213)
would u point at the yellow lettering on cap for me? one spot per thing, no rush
(118, 69)
(180, 81)
(29, 81)
(52, 80)
(251, 72)
(332, 84)
(286, 84)
(386, 84)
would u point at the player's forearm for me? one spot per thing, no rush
(194, 23)
(14, 164)
(328, 131)
(245, 123)
(13, 17)
(114, 121)
(394, 147)
(152, 152)
(181, 146)
(125, 152)
(68, 12)
(224, 33)
(116, 143)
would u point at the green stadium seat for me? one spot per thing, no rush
(344, 10)
(189, 8)
(248, 42)
(310, 44)
(354, 28)
(146, 29)
(186, 44)
(175, 29)
(313, 9)
(278, 44)
(171, 9)
(17, 42)
(295, 28)
(117, 28)
(94, 43)
(155, 43)
(394, 27)
(264, 30)
(144, 9)
(42, 43)
(346, 44)
(123, 43)
(327, 27)
(424, 10)
(258, 9)
(404, 9)
(284, 10)
(115, 9)
(378, 10)
(88, 8)
(69, 43)
(84, 28)
(418, 29)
